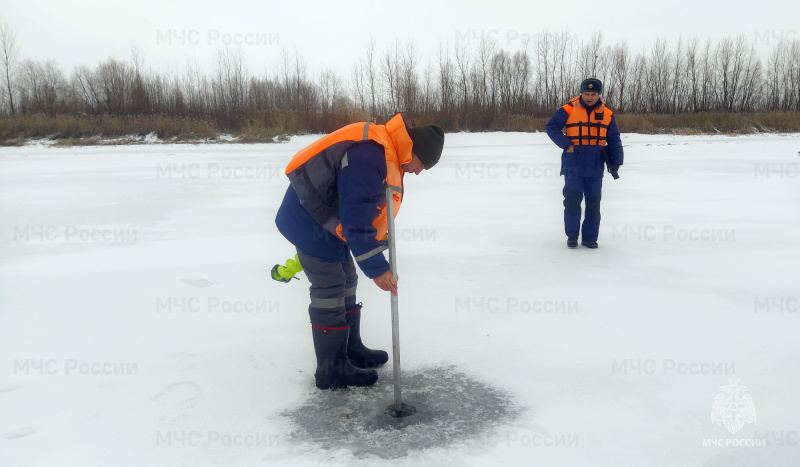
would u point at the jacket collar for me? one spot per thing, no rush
(396, 127)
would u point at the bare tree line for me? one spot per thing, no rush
(464, 85)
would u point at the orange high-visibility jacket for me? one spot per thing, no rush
(585, 129)
(312, 171)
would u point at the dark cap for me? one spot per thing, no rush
(592, 85)
(428, 142)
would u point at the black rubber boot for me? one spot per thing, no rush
(572, 242)
(334, 369)
(357, 352)
(591, 245)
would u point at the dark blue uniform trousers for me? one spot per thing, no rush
(333, 290)
(575, 188)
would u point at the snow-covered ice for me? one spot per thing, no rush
(139, 325)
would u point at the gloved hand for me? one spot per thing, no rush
(613, 169)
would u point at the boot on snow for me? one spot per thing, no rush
(334, 369)
(357, 352)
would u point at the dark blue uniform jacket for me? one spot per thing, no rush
(587, 160)
(360, 188)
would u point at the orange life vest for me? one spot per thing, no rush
(312, 171)
(585, 129)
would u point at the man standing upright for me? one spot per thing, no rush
(591, 130)
(335, 211)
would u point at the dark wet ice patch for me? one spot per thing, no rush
(452, 407)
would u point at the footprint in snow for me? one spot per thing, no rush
(178, 400)
(24, 431)
(259, 363)
(183, 361)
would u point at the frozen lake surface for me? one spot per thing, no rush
(139, 325)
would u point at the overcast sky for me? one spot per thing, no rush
(334, 33)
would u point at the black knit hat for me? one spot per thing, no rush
(428, 143)
(592, 85)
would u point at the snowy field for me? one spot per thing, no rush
(139, 325)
